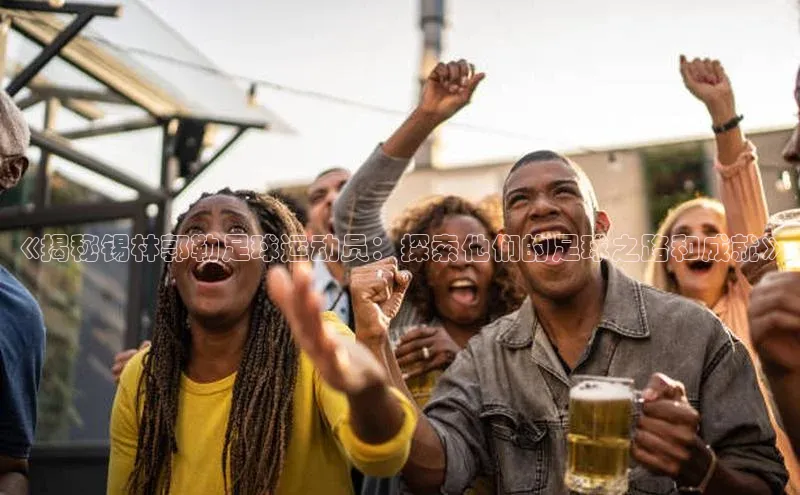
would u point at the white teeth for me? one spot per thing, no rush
(548, 235)
(461, 283)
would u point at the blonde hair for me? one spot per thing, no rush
(656, 273)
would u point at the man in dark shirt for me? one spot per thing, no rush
(22, 333)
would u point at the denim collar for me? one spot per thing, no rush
(623, 311)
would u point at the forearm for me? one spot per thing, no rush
(786, 391)
(725, 481)
(13, 484)
(375, 414)
(729, 143)
(407, 139)
(424, 471)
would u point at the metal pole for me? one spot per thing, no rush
(47, 54)
(5, 26)
(432, 19)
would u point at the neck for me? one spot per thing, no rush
(461, 333)
(215, 352)
(708, 297)
(569, 322)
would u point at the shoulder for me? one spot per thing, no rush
(18, 307)
(129, 379)
(676, 318)
(505, 329)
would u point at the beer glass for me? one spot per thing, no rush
(785, 226)
(601, 410)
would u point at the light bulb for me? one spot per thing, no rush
(56, 4)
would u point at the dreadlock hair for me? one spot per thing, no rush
(260, 421)
(505, 293)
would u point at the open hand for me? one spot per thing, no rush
(345, 364)
(412, 357)
(449, 88)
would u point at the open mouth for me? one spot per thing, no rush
(700, 266)
(212, 271)
(551, 246)
(464, 291)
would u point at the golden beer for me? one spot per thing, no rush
(787, 247)
(598, 440)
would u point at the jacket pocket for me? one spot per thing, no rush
(519, 448)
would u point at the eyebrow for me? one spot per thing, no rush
(552, 185)
(206, 212)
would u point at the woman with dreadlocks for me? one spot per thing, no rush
(226, 399)
(459, 282)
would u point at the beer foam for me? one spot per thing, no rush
(596, 391)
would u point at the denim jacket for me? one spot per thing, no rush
(501, 408)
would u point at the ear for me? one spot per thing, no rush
(602, 223)
(500, 238)
(13, 170)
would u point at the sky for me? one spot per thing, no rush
(561, 74)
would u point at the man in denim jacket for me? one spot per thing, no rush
(501, 407)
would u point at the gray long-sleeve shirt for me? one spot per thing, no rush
(358, 222)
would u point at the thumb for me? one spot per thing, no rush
(684, 68)
(145, 345)
(279, 288)
(480, 76)
(402, 281)
(661, 386)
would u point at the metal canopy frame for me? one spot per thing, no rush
(41, 214)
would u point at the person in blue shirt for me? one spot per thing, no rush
(22, 333)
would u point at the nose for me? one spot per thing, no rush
(542, 207)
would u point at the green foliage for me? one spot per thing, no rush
(674, 174)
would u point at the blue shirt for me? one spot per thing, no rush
(22, 340)
(334, 298)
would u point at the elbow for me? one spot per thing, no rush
(422, 482)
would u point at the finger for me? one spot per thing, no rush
(416, 356)
(425, 367)
(418, 332)
(463, 77)
(292, 296)
(439, 73)
(125, 355)
(684, 69)
(662, 386)
(674, 412)
(708, 71)
(776, 324)
(719, 71)
(452, 76)
(145, 345)
(680, 434)
(654, 462)
(475, 81)
(412, 371)
(413, 347)
(655, 443)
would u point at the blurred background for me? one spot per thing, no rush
(137, 107)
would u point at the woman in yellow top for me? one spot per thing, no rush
(227, 399)
(696, 254)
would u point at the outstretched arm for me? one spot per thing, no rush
(453, 430)
(742, 191)
(358, 209)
